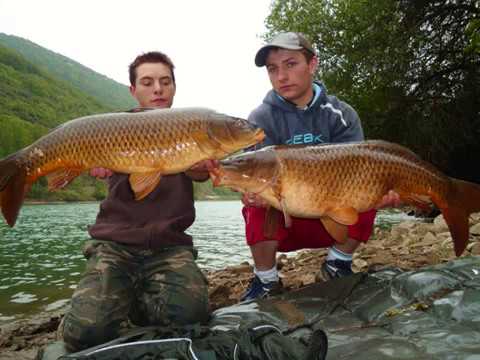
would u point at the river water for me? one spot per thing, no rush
(41, 260)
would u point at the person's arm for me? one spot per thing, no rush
(347, 127)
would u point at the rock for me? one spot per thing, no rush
(360, 264)
(475, 250)
(475, 217)
(439, 224)
(240, 269)
(428, 240)
(423, 228)
(475, 229)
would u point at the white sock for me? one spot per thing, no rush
(267, 275)
(335, 254)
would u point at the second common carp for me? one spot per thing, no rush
(335, 182)
(145, 143)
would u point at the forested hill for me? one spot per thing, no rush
(105, 90)
(32, 101)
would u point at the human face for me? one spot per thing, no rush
(154, 86)
(291, 76)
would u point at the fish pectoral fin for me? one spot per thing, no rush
(344, 215)
(272, 221)
(143, 184)
(286, 215)
(61, 178)
(337, 231)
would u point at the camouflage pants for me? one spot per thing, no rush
(148, 287)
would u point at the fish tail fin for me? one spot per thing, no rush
(463, 199)
(13, 188)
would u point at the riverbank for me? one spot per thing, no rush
(408, 245)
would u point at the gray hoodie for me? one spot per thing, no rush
(325, 120)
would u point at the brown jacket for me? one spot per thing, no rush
(158, 220)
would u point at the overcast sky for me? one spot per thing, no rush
(211, 42)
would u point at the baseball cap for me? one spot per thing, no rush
(284, 40)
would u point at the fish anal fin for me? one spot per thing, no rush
(272, 222)
(143, 184)
(343, 215)
(61, 178)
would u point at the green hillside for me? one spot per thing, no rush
(107, 91)
(32, 101)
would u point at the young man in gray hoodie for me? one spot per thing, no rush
(298, 110)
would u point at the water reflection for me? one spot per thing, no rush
(41, 260)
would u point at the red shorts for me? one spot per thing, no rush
(304, 233)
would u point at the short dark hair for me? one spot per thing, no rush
(308, 55)
(150, 57)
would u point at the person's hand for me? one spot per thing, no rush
(392, 199)
(201, 170)
(204, 166)
(101, 173)
(251, 199)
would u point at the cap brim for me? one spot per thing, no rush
(261, 57)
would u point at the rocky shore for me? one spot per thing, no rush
(408, 245)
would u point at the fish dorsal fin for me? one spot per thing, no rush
(143, 184)
(344, 215)
(61, 178)
(337, 231)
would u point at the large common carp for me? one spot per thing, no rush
(144, 143)
(336, 182)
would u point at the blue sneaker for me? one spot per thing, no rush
(332, 269)
(258, 290)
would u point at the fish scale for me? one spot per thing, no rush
(359, 175)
